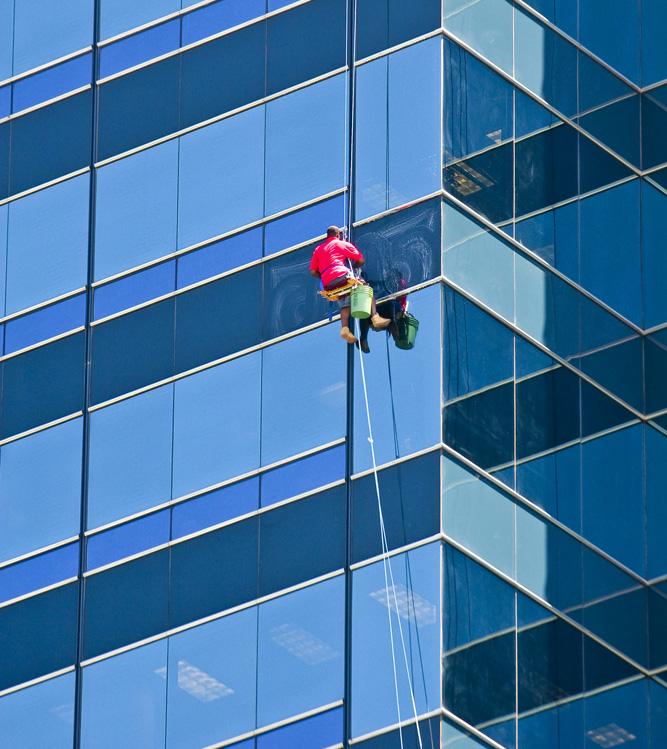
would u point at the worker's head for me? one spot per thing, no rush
(333, 231)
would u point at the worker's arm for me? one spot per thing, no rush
(359, 263)
(315, 273)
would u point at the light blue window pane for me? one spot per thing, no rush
(46, 323)
(478, 261)
(6, 38)
(4, 212)
(212, 682)
(133, 50)
(303, 394)
(47, 31)
(135, 289)
(55, 218)
(414, 600)
(414, 122)
(486, 25)
(221, 177)
(217, 17)
(130, 456)
(132, 685)
(40, 489)
(53, 82)
(117, 16)
(403, 389)
(42, 715)
(306, 152)
(320, 731)
(219, 257)
(478, 516)
(5, 101)
(39, 572)
(300, 226)
(216, 424)
(301, 650)
(128, 539)
(371, 139)
(136, 210)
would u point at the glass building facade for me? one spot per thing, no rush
(190, 547)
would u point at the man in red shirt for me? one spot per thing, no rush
(329, 264)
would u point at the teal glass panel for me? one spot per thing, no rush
(132, 685)
(221, 177)
(403, 388)
(40, 489)
(6, 38)
(55, 218)
(371, 138)
(413, 137)
(136, 213)
(212, 681)
(130, 456)
(42, 715)
(301, 649)
(117, 16)
(413, 601)
(47, 31)
(216, 424)
(303, 394)
(485, 25)
(306, 153)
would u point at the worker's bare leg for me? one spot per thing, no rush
(345, 333)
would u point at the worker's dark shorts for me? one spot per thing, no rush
(343, 301)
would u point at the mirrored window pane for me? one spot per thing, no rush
(218, 16)
(136, 210)
(139, 48)
(117, 16)
(386, 23)
(301, 651)
(58, 218)
(39, 571)
(614, 37)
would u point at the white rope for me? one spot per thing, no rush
(386, 561)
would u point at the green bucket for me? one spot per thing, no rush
(361, 301)
(407, 332)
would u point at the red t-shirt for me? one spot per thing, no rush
(329, 258)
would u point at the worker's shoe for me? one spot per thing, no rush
(378, 322)
(347, 335)
(364, 346)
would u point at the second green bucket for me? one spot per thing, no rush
(361, 301)
(407, 332)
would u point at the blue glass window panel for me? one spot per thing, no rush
(597, 86)
(654, 262)
(613, 37)
(610, 258)
(386, 23)
(216, 424)
(136, 210)
(306, 152)
(212, 681)
(656, 509)
(219, 257)
(5, 101)
(294, 57)
(617, 126)
(6, 38)
(563, 725)
(301, 651)
(46, 32)
(52, 82)
(33, 649)
(146, 45)
(215, 507)
(135, 289)
(529, 115)
(553, 236)
(117, 16)
(416, 578)
(616, 714)
(303, 475)
(217, 17)
(221, 177)
(486, 26)
(39, 572)
(40, 478)
(318, 732)
(653, 62)
(4, 212)
(303, 395)
(45, 323)
(276, 4)
(43, 384)
(64, 132)
(127, 540)
(303, 225)
(133, 685)
(130, 456)
(371, 195)
(456, 737)
(404, 390)
(598, 168)
(529, 359)
(57, 218)
(41, 715)
(413, 138)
